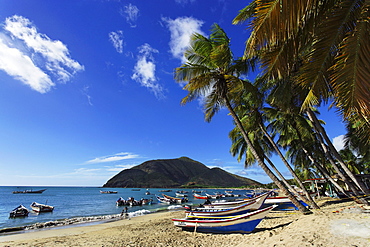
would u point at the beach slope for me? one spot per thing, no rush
(335, 224)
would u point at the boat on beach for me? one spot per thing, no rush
(28, 191)
(38, 207)
(20, 211)
(230, 204)
(211, 212)
(243, 223)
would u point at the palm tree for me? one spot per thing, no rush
(326, 42)
(212, 72)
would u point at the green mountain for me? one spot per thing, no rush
(176, 173)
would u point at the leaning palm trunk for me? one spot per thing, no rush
(332, 162)
(318, 166)
(320, 130)
(261, 163)
(294, 191)
(308, 198)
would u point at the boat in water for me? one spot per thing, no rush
(28, 191)
(108, 192)
(40, 208)
(20, 211)
(242, 223)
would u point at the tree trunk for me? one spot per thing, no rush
(332, 149)
(261, 163)
(332, 162)
(321, 169)
(308, 199)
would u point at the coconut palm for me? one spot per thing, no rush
(325, 41)
(212, 72)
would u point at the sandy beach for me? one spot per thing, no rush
(335, 224)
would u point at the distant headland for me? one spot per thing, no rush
(182, 172)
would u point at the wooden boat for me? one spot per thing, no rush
(243, 223)
(198, 196)
(230, 204)
(28, 191)
(283, 202)
(241, 209)
(164, 190)
(175, 199)
(108, 192)
(38, 207)
(20, 211)
(178, 194)
(164, 200)
(213, 196)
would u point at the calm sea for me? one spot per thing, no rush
(71, 202)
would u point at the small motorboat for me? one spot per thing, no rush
(108, 192)
(40, 208)
(28, 191)
(20, 211)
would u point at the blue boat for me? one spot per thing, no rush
(244, 223)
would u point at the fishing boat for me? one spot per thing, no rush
(198, 196)
(20, 211)
(207, 212)
(38, 207)
(283, 202)
(243, 223)
(164, 200)
(28, 191)
(178, 194)
(230, 204)
(108, 192)
(175, 199)
(218, 196)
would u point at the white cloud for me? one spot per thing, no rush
(21, 67)
(112, 158)
(144, 71)
(131, 13)
(32, 57)
(181, 29)
(338, 142)
(117, 40)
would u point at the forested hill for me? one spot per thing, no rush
(176, 173)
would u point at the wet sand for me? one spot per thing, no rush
(335, 224)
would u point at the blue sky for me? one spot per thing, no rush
(87, 89)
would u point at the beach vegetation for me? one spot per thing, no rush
(212, 74)
(316, 51)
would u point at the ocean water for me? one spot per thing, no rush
(72, 202)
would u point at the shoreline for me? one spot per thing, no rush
(79, 221)
(337, 223)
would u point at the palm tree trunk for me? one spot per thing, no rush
(332, 149)
(332, 162)
(308, 198)
(318, 166)
(261, 163)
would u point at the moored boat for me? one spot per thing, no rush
(20, 211)
(38, 207)
(198, 196)
(175, 199)
(108, 192)
(28, 191)
(243, 223)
